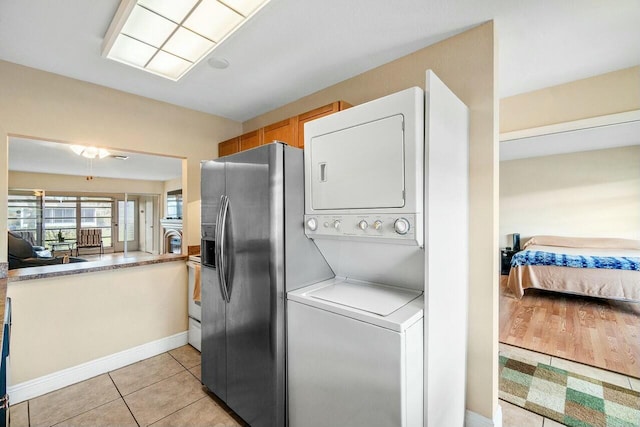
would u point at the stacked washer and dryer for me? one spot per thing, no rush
(383, 343)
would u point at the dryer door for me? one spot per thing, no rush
(360, 167)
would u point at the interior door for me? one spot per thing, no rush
(130, 219)
(149, 234)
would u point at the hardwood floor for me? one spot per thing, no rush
(597, 332)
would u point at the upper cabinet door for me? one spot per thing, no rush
(230, 146)
(325, 110)
(289, 131)
(285, 131)
(250, 140)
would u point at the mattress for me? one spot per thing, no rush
(610, 283)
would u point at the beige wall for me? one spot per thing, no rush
(65, 321)
(583, 194)
(586, 194)
(610, 93)
(58, 322)
(39, 104)
(72, 183)
(467, 64)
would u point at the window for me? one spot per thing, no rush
(96, 212)
(65, 215)
(174, 204)
(50, 216)
(25, 213)
(60, 218)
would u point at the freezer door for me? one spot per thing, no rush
(212, 178)
(214, 341)
(255, 311)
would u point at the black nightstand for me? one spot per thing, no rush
(505, 260)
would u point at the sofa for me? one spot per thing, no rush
(23, 254)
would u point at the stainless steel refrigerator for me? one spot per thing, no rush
(253, 251)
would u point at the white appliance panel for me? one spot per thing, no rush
(375, 261)
(195, 334)
(374, 298)
(367, 162)
(360, 167)
(447, 285)
(363, 227)
(344, 372)
(194, 308)
(398, 320)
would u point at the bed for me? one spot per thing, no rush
(596, 267)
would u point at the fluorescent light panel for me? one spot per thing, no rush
(168, 37)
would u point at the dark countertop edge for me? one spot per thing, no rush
(35, 273)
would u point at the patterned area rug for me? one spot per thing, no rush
(570, 399)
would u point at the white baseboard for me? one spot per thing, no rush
(473, 419)
(57, 380)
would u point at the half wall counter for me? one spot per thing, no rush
(71, 322)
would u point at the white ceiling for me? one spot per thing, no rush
(295, 47)
(28, 155)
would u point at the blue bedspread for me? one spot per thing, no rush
(580, 261)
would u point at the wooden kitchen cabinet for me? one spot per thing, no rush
(325, 110)
(250, 140)
(285, 131)
(230, 146)
(290, 131)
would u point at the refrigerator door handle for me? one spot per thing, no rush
(220, 232)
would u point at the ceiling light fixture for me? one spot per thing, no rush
(169, 37)
(218, 63)
(89, 152)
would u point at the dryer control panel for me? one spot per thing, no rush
(402, 229)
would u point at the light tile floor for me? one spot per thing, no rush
(164, 390)
(515, 416)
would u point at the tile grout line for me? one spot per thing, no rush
(78, 414)
(178, 410)
(122, 397)
(181, 364)
(150, 385)
(153, 383)
(82, 413)
(203, 386)
(524, 409)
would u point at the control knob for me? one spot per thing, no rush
(312, 223)
(363, 225)
(401, 226)
(377, 225)
(336, 224)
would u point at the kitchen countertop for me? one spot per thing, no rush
(105, 264)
